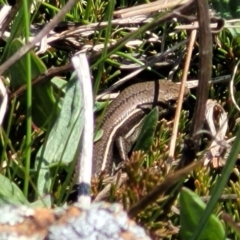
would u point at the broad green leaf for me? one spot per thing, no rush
(43, 101)
(46, 201)
(62, 143)
(10, 193)
(145, 138)
(191, 209)
(59, 83)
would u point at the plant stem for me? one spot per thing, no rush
(29, 101)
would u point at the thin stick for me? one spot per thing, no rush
(148, 8)
(180, 98)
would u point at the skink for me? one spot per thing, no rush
(124, 115)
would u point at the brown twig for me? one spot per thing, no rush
(148, 8)
(43, 77)
(27, 47)
(205, 65)
(180, 98)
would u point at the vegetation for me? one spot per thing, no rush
(42, 125)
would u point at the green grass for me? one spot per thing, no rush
(40, 133)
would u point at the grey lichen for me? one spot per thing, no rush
(99, 221)
(11, 214)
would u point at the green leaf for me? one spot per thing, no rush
(10, 193)
(100, 105)
(145, 138)
(59, 83)
(98, 135)
(46, 201)
(62, 143)
(191, 209)
(43, 101)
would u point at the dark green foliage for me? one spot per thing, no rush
(57, 124)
